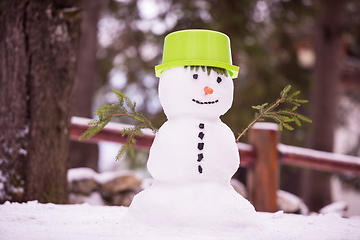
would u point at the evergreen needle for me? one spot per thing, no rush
(106, 113)
(282, 117)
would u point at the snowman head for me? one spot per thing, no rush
(195, 91)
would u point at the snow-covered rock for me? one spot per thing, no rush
(84, 186)
(291, 203)
(109, 188)
(120, 183)
(340, 208)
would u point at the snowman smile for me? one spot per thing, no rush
(208, 102)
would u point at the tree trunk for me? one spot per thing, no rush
(328, 36)
(86, 154)
(38, 52)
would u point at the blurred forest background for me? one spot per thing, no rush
(314, 45)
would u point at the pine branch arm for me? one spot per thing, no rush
(281, 116)
(259, 117)
(106, 113)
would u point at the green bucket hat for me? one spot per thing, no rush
(197, 48)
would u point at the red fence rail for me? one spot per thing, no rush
(262, 157)
(319, 160)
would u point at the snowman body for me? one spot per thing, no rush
(191, 149)
(193, 157)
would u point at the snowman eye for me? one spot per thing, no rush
(195, 76)
(219, 80)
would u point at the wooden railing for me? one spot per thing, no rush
(261, 157)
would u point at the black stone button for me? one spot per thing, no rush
(200, 146)
(201, 135)
(201, 126)
(200, 157)
(200, 169)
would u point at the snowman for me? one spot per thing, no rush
(194, 154)
(194, 145)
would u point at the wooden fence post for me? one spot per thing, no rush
(263, 175)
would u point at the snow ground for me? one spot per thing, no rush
(33, 220)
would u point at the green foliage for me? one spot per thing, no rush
(283, 116)
(106, 113)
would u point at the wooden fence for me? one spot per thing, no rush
(261, 157)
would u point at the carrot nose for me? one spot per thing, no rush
(208, 90)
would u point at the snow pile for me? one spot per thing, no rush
(34, 221)
(202, 206)
(49, 221)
